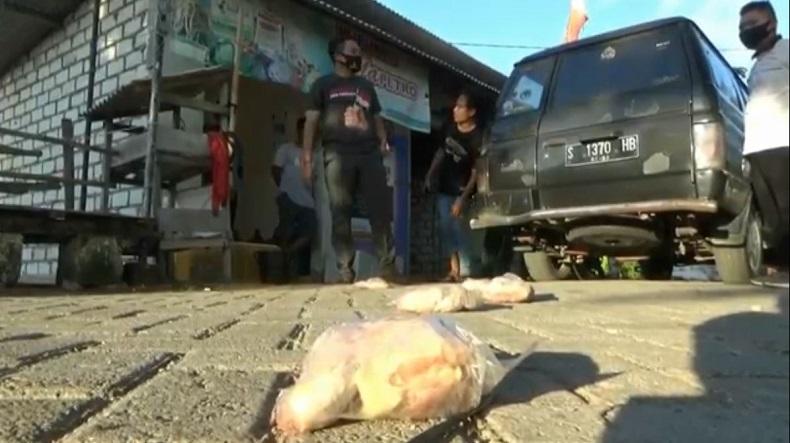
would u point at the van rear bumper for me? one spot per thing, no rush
(489, 220)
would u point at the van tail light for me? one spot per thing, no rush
(709, 147)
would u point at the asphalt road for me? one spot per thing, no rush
(615, 362)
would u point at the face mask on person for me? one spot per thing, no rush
(353, 62)
(752, 37)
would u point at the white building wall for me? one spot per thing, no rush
(50, 84)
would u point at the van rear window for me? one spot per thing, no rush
(630, 64)
(526, 88)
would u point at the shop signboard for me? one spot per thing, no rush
(285, 42)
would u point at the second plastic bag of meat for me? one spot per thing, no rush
(411, 369)
(507, 288)
(437, 299)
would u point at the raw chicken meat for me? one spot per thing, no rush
(373, 283)
(508, 288)
(410, 369)
(511, 276)
(475, 284)
(323, 387)
(437, 299)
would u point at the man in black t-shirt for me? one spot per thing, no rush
(454, 168)
(459, 153)
(346, 108)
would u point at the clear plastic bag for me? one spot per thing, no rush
(438, 299)
(508, 288)
(475, 284)
(415, 368)
(374, 283)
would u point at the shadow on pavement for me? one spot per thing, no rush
(716, 291)
(742, 360)
(487, 307)
(541, 298)
(262, 429)
(565, 371)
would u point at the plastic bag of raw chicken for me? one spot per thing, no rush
(438, 299)
(373, 284)
(415, 368)
(507, 288)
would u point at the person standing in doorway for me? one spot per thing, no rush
(346, 108)
(297, 227)
(766, 118)
(453, 170)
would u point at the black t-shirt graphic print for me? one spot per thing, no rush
(347, 106)
(461, 150)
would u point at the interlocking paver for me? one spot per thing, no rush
(76, 375)
(26, 419)
(615, 362)
(186, 405)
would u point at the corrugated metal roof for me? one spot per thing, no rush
(133, 99)
(385, 23)
(24, 23)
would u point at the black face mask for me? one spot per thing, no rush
(353, 63)
(752, 37)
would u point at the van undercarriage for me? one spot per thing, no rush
(570, 242)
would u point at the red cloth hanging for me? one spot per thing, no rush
(220, 168)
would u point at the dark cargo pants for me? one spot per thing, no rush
(346, 175)
(770, 183)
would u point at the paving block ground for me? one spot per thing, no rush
(615, 362)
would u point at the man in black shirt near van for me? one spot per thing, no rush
(454, 168)
(346, 108)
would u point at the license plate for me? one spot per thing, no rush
(603, 151)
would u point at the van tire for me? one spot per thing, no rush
(541, 267)
(740, 264)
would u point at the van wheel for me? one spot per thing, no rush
(739, 264)
(541, 267)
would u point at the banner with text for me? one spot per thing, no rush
(287, 43)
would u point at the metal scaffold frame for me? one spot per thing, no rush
(152, 183)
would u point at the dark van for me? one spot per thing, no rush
(629, 145)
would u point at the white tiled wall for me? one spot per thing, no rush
(50, 84)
